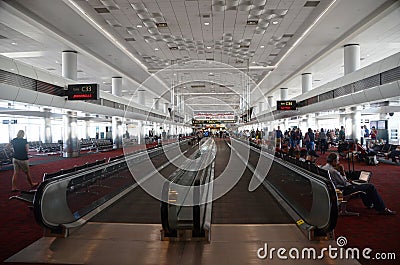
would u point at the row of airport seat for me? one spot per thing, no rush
(77, 184)
(312, 167)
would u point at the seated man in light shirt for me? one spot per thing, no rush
(371, 198)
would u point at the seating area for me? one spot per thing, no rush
(5, 155)
(312, 167)
(76, 185)
(102, 145)
(383, 151)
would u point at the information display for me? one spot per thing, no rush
(286, 105)
(83, 92)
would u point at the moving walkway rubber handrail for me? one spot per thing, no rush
(202, 176)
(55, 206)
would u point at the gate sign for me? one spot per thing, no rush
(286, 105)
(83, 92)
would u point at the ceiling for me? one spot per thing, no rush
(208, 50)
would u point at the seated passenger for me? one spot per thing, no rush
(371, 198)
(394, 153)
(312, 156)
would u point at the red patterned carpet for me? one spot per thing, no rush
(370, 230)
(380, 233)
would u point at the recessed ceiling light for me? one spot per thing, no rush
(206, 23)
(13, 43)
(262, 46)
(139, 26)
(156, 49)
(275, 22)
(208, 47)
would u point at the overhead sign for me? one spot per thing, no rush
(83, 92)
(218, 116)
(286, 105)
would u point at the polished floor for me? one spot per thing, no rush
(107, 243)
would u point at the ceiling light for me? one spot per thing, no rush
(139, 26)
(156, 49)
(275, 22)
(13, 43)
(262, 46)
(206, 23)
(208, 47)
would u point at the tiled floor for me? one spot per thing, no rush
(117, 244)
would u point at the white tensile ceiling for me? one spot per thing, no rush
(207, 48)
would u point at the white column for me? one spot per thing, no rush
(116, 132)
(156, 104)
(69, 64)
(306, 82)
(141, 99)
(166, 108)
(47, 126)
(116, 86)
(284, 93)
(140, 135)
(260, 106)
(351, 58)
(70, 139)
(356, 124)
(269, 99)
(87, 126)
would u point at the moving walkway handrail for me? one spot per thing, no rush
(54, 211)
(195, 195)
(314, 206)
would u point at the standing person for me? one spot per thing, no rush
(311, 141)
(322, 141)
(20, 159)
(342, 134)
(373, 134)
(278, 137)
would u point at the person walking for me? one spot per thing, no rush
(20, 160)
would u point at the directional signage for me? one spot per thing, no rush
(286, 105)
(83, 92)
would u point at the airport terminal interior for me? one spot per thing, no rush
(199, 132)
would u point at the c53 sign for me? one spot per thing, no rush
(83, 92)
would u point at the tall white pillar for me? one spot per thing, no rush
(156, 104)
(356, 124)
(116, 132)
(87, 126)
(166, 108)
(284, 93)
(351, 58)
(269, 100)
(306, 82)
(47, 126)
(69, 64)
(140, 136)
(70, 139)
(116, 86)
(141, 99)
(260, 106)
